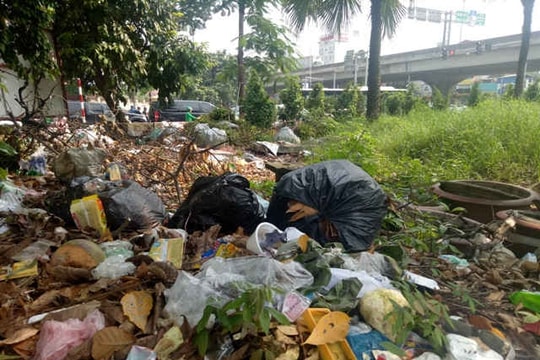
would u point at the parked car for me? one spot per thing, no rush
(134, 117)
(177, 111)
(93, 110)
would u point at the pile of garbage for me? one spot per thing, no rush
(95, 266)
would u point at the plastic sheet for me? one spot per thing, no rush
(189, 296)
(287, 134)
(226, 200)
(370, 282)
(57, 338)
(253, 270)
(208, 137)
(344, 195)
(221, 280)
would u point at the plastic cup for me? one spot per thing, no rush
(258, 236)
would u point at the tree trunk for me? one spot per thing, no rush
(524, 51)
(240, 59)
(374, 71)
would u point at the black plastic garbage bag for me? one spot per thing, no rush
(344, 195)
(128, 202)
(124, 202)
(226, 200)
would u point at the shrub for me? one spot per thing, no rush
(474, 96)
(315, 101)
(260, 110)
(292, 99)
(350, 102)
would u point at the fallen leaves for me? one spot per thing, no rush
(108, 340)
(137, 305)
(300, 210)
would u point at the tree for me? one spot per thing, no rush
(26, 49)
(267, 39)
(260, 110)
(524, 50)
(292, 98)
(385, 16)
(113, 46)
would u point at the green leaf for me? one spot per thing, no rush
(279, 316)
(208, 311)
(393, 348)
(7, 149)
(201, 340)
(264, 321)
(3, 174)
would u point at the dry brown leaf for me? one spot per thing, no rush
(332, 327)
(300, 210)
(284, 339)
(292, 353)
(302, 242)
(480, 322)
(26, 348)
(137, 305)
(509, 321)
(496, 296)
(289, 330)
(108, 340)
(19, 335)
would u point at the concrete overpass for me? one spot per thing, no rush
(498, 56)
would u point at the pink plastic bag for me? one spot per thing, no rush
(58, 337)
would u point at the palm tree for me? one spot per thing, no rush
(524, 51)
(335, 14)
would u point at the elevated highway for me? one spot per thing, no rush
(498, 56)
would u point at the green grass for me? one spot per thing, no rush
(496, 140)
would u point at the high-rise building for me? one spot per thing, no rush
(332, 48)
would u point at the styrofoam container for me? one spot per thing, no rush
(258, 236)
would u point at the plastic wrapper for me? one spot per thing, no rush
(345, 197)
(226, 200)
(11, 197)
(117, 247)
(36, 250)
(141, 353)
(77, 162)
(57, 338)
(114, 267)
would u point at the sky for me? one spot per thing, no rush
(502, 17)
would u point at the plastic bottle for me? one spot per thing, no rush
(529, 299)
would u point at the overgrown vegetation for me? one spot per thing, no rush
(259, 108)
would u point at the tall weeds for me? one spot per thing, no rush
(496, 140)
